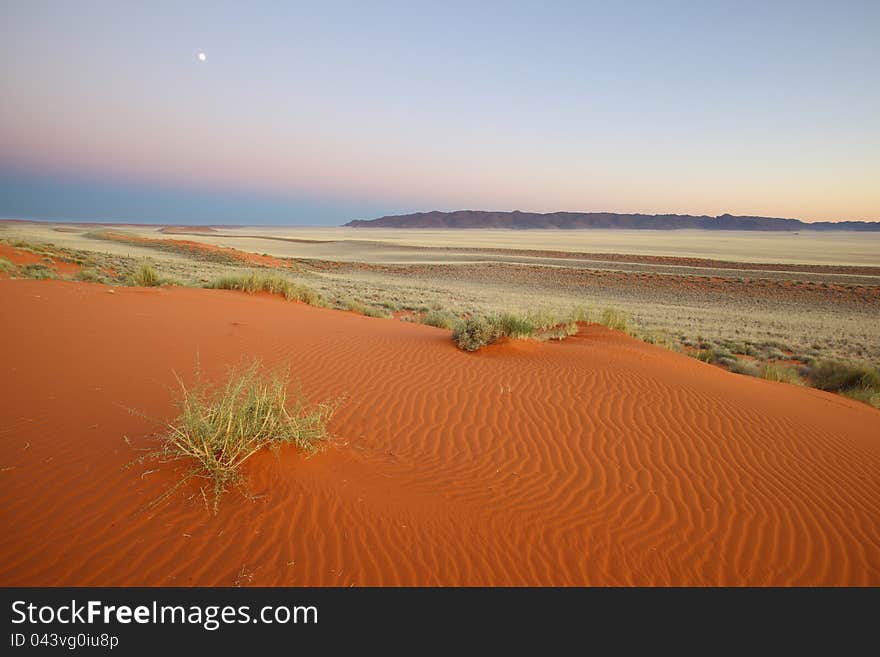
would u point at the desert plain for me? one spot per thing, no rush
(688, 429)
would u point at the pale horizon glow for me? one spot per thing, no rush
(321, 115)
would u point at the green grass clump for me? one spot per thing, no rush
(7, 266)
(476, 332)
(144, 276)
(439, 319)
(780, 373)
(614, 319)
(517, 327)
(219, 428)
(271, 283)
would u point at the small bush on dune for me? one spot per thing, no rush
(614, 319)
(218, 429)
(855, 380)
(144, 276)
(273, 284)
(7, 266)
(476, 332)
(479, 331)
(837, 376)
(707, 356)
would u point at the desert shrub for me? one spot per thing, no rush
(781, 373)
(7, 266)
(838, 376)
(439, 319)
(614, 319)
(37, 271)
(713, 356)
(219, 428)
(476, 332)
(144, 276)
(479, 331)
(271, 283)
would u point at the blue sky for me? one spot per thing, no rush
(320, 113)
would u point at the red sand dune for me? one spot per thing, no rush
(598, 460)
(22, 257)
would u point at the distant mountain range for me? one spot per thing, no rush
(570, 220)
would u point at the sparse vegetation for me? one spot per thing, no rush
(363, 309)
(271, 283)
(795, 341)
(89, 275)
(187, 248)
(7, 266)
(439, 319)
(219, 428)
(38, 271)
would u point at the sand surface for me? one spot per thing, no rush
(598, 460)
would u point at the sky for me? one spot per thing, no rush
(318, 113)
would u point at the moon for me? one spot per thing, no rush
(202, 57)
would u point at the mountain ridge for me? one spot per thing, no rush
(578, 220)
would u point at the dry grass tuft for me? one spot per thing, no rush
(271, 283)
(218, 429)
